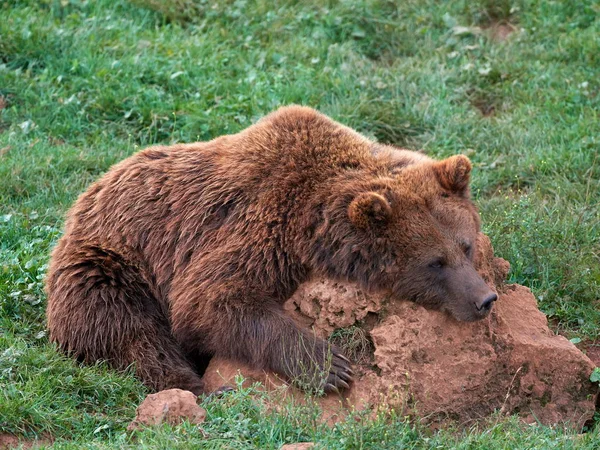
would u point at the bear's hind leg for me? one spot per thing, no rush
(100, 308)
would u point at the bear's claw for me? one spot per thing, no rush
(342, 357)
(340, 373)
(345, 376)
(331, 388)
(218, 393)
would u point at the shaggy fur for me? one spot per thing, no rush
(184, 252)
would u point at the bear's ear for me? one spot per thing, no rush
(453, 173)
(368, 209)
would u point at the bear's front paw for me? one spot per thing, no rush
(317, 367)
(340, 372)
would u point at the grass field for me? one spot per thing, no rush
(84, 84)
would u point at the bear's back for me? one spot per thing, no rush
(163, 204)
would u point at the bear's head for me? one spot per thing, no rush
(413, 234)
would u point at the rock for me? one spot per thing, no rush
(425, 364)
(172, 406)
(298, 446)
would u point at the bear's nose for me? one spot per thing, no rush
(487, 303)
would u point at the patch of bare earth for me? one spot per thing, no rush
(486, 107)
(500, 31)
(10, 441)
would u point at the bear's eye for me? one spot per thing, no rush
(467, 249)
(437, 264)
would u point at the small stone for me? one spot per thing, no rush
(172, 406)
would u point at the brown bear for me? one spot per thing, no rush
(184, 252)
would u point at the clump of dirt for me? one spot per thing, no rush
(2, 102)
(171, 406)
(427, 365)
(324, 306)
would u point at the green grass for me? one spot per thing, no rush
(86, 83)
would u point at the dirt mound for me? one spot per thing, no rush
(430, 366)
(171, 406)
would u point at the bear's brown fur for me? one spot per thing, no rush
(184, 252)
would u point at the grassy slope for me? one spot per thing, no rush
(88, 83)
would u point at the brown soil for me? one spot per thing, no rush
(9, 441)
(485, 107)
(425, 364)
(500, 31)
(593, 352)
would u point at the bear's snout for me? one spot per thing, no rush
(486, 304)
(468, 298)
